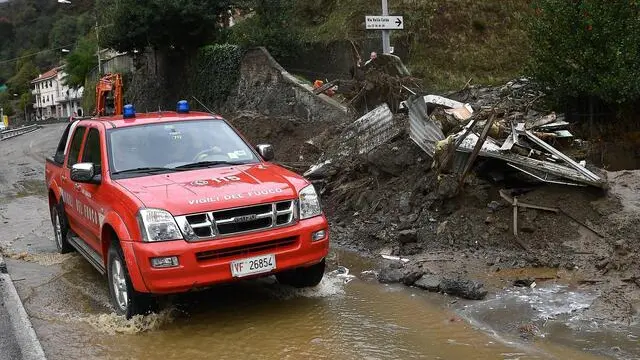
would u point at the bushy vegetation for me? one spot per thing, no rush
(214, 64)
(587, 48)
(162, 24)
(274, 25)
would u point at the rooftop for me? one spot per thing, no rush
(48, 75)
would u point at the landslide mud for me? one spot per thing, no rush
(390, 202)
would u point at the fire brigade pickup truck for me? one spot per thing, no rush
(170, 202)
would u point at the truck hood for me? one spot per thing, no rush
(213, 189)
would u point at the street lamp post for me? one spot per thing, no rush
(68, 2)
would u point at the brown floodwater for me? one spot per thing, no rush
(348, 316)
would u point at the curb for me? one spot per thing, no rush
(28, 342)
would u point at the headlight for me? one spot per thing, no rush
(158, 225)
(309, 203)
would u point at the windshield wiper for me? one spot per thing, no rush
(148, 170)
(204, 164)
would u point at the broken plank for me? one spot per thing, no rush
(545, 178)
(514, 200)
(478, 147)
(561, 155)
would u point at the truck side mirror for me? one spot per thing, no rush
(266, 151)
(85, 173)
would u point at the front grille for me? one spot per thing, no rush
(222, 223)
(272, 245)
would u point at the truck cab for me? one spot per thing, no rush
(170, 202)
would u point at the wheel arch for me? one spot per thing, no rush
(54, 196)
(114, 230)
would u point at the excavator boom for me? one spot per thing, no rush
(109, 100)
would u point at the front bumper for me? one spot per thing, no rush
(195, 273)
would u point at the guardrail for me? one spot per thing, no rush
(8, 134)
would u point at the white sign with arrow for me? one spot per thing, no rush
(384, 22)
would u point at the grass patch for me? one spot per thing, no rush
(449, 41)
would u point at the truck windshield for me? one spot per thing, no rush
(176, 146)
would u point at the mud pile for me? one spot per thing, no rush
(391, 202)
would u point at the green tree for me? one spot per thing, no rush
(26, 100)
(273, 26)
(587, 48)
(64, 32)
(20, 82)
(163, 24)
(80, 62)
(5, 104)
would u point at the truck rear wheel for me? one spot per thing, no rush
(124, 298)
(303, 277)
(60, 229)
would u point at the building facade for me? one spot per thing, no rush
(55, 99)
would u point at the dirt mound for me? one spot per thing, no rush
(390, 201)
(287, 134)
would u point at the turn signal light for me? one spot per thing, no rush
(318, 235)
(165, 262)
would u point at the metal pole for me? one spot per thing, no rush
(386, 43)
(98, 53)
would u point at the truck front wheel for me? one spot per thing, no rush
(303, 277)
(124, 298)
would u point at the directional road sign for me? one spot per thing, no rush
(384, 22)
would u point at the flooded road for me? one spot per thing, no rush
(348, 316)
(344, 318)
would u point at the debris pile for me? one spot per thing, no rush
(498, 124)
(501, 125)
(385, 195)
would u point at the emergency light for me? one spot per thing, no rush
(183, 106)
(128, 111)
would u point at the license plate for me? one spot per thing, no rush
(254, 265)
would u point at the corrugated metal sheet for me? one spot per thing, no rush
(374, 129)
(422, 130)
(492, 150)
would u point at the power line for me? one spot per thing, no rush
(35, 53)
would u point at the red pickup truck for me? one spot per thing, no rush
(170, 202)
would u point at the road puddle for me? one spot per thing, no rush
(552, 315)
(348, 316)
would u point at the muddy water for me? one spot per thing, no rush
(349, 316)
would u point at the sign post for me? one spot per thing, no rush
(384, 23)
(386, 42)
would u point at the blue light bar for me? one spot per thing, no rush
(183, 106)
(129, 111)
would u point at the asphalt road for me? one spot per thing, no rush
(23, 228)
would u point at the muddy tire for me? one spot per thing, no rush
(124, 298)
(303, 277)
(60, 229)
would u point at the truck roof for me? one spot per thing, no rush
(154, 118)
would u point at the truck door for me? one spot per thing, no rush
(69, 193)
(92, 196)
